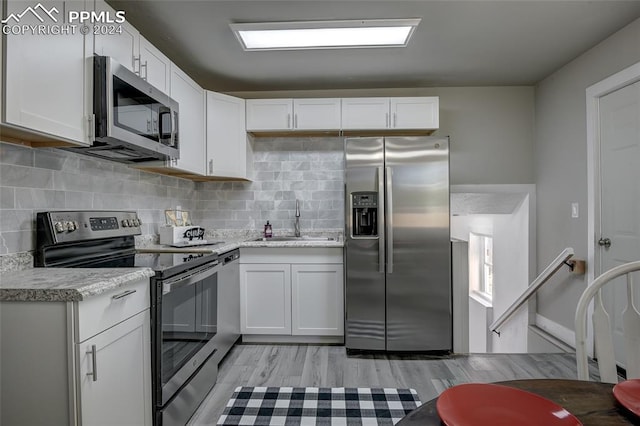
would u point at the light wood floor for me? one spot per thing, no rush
(329, 366)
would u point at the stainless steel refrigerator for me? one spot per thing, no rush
(397, 244)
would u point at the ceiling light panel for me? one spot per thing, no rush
(325, 34)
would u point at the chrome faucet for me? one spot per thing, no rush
(297, 222)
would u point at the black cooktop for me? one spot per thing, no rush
(169, 264)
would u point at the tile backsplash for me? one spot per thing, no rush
(285, 169)
(310, 170)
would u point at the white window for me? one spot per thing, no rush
(481, 266)
(486, 265)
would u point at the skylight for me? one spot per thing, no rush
(325, 34)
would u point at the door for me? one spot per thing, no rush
(316, 114)
(265, 298)
(418, 244)
(155, 67)
(226, 136)
(52, 98)
(415, 113)
(123, 47)
(365, 113)
(269, 114)
(317, 300)
(620, 196)
(115, 367)
(191, 99)
(364, 255)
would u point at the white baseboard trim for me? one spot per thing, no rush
(268, 338)
(558, 331)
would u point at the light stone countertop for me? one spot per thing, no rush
(74, 284)
(234, 243)
(65, 284)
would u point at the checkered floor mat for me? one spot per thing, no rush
(262, 406)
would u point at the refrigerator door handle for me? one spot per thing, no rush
(389, 215)
(381, 216)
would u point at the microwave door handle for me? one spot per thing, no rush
(161, 117)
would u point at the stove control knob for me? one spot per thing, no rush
(71, 226)
(136, 222)
(60, 226)
(129, 223)
(125, 223)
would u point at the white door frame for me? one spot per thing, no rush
(610, 84)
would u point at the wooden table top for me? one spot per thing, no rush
(592, 403)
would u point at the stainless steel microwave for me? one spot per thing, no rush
(134, 121)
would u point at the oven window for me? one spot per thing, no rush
(137, 112)
(189, 321)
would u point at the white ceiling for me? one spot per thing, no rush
(458, 43)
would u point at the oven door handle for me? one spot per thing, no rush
(187, 280)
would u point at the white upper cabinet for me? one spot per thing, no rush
(365, 113)
(132, 50)
(316, 114)
(191, 127)
(293, 114)
(155, 67)
(415, 113)
(48, 78)
(269, 114)
(124, 46)
(390, 113)
(227, 145)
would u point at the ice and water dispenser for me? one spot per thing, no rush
(365, 214)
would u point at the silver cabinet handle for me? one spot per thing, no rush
(386, 120)
(389, 217)
(136, 59)
(146, 71)
(210, 166)
(288, 121)
(295, 121)
(395, 119)
(123, 294)
(94, 363)
(381, 238)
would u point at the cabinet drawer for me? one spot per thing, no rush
(106, 310)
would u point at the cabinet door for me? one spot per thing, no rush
(155, 67)
(415, 113)
(365, 113)
(316, 114)
(317, 300)
(115, 379)
(191, 99)
(226, 136)
(269, 114)
(48, 78)
(123, 47)
(265, 299)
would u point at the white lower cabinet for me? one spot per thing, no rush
(265, 297)
(303, 297)
(317, 302)
(77, 363)
(115, 373)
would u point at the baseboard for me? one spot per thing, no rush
(267, 338)
(555, 333)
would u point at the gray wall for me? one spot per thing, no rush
(491, 128)
(561, 163)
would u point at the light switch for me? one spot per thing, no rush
(575, 210)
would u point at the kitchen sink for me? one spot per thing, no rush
(294, 238)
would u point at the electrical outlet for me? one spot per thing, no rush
(575, 210)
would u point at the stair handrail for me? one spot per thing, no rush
(553, 267)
